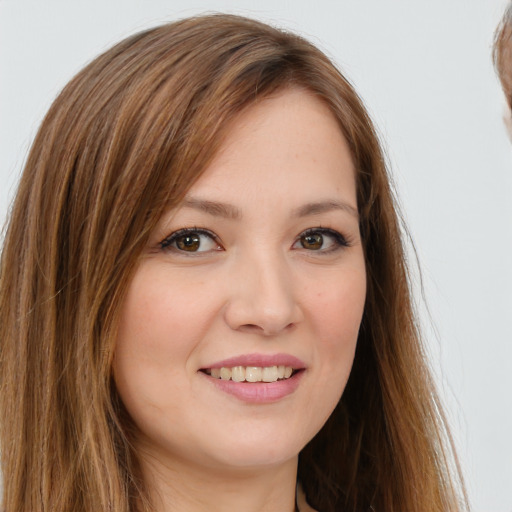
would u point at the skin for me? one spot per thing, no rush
(255, 288)
(507, 119)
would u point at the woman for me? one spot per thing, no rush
(204, 246)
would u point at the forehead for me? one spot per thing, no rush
(288, 142)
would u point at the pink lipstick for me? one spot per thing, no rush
(261, 360)
(256, 378)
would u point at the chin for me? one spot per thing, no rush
(257, 449)
(252, 458)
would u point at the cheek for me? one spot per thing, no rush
(162, 320)
(337, 309)
(336, 314)
(157, 333)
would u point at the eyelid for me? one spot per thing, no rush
(165, 244)
(341, 240)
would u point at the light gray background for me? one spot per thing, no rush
(424, 70)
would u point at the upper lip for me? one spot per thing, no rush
(259, 360)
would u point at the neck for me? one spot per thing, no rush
(182, 487)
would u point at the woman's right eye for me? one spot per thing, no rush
(190, 240)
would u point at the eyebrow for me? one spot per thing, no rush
(323, 207)
(214, 208)
(229, 211)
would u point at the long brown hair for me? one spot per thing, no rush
(125, 139)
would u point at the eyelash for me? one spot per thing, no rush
(166, 244)
(340, 241)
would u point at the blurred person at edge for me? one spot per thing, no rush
(502, 55)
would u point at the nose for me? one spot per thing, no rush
(262, 297)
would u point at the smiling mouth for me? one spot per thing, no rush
(251, 373)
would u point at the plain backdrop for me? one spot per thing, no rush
(424, 70)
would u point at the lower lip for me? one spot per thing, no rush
(258, 392)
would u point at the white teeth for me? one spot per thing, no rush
(225, 373)
(269, 374)
(238, 374)
(251, 373)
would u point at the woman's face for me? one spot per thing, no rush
(258, 274)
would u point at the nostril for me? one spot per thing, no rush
(265, 330)
(263, 314)
(251, 328)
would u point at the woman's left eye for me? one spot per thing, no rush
(320, 239)
(191, 241)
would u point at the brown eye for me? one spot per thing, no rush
(189, 243)
(321, 240)
(312, 241)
